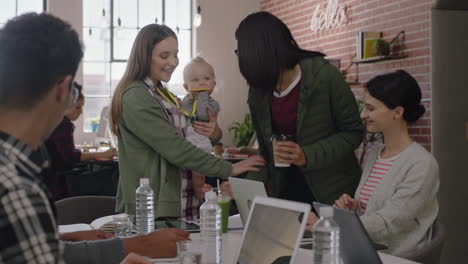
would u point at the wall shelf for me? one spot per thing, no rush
(379, 58)
(396, 53)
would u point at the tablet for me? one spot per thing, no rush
(355, 245)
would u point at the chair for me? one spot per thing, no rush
(84, 209)
(430, 254)
(93, 178)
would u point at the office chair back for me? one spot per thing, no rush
(84, 209)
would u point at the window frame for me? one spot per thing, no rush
(110, 57)
(44, 9)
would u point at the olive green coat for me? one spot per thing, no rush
(329, 129)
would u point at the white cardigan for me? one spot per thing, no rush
(402, 209)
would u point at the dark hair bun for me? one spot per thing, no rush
(414, 113)
(398, 89)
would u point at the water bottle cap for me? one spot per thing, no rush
(326, 211)
(210, 195)
(144, 181)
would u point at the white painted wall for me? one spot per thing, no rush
(215, 42)
(72, 12)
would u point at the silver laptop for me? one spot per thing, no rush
(355, 244)
(273, 231)
(244, 192)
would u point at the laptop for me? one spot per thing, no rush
(273, 231)
(355, 245)
(244, 192)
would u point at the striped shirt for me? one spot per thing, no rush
(375, 177)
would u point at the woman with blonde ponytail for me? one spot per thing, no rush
(151, 129)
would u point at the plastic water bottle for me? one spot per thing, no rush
(326, 238)
(144, 208)
(210, 229)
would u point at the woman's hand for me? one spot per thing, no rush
(226, 189)
(311, 221)
(199, 185)
(200, 192)
(290, 152)
(108, 154)
(209, 129)
(346, 202)
(250, 164)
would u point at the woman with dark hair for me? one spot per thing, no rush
(151, 127)
(61, 148)
(397, 195)
(298, 93)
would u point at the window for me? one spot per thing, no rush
(12, 8)
(109, 29)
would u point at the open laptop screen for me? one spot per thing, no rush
(271, 233)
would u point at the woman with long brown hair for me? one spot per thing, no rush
(151, 128)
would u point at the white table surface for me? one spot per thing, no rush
(231, 242)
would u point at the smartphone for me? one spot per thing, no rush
(187, 226)
(160, 223)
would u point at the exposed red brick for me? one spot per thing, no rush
(422, 139)
(388, 16)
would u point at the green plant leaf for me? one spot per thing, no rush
(242, 132)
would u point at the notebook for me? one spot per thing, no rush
(104, 223)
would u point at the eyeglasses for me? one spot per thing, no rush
(236, 52)
(74, 92)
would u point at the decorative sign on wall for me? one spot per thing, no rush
(331, 16)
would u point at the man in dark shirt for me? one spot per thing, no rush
(39, 56)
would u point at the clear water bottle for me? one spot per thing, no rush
(210, 229)
(326, 238)
(144, 208)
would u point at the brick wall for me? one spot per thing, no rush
(387, 16)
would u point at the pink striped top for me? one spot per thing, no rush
(378, 172)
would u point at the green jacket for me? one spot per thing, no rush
(328, 130)
(150, 147)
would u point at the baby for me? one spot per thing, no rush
(199, 81)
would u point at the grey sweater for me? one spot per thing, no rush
(94, 252)
(403, 208)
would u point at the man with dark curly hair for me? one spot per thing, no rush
(39, 56)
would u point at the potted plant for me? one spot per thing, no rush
(383, 47)
(242, 132)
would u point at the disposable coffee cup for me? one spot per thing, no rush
(275, 139)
